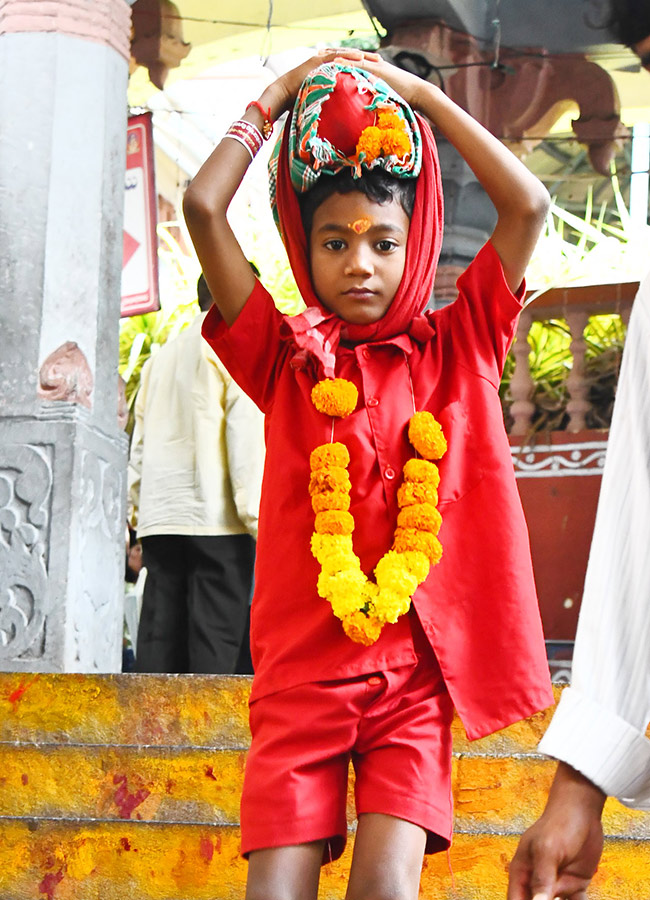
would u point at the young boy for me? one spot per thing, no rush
(346, 667)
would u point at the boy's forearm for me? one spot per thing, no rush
(507, 182)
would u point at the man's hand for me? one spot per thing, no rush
(558, 855)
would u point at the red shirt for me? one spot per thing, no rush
(478, 606)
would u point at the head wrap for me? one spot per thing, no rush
(337, 122)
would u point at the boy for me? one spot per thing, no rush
(354, 375)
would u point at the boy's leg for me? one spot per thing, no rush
(285, 873)
(387, 859)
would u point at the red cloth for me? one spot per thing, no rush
(478, 607)
(396, 727)
(318, 330)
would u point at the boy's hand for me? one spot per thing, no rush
(407, 85)
(282, 93)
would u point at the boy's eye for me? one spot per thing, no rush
(335, 244)
(386, 245)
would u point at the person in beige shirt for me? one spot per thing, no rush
(195, 473)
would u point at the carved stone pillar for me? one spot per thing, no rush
(63, 79)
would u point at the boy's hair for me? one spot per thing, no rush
(203, 293)
(629, 20)
(376, 184)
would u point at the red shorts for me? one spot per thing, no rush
(395, 726)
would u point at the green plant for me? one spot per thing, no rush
(601, 247)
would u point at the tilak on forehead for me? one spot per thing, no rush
(361, 225)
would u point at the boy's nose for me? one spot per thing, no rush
(359, 262)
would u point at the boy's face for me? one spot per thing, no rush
(357, 255)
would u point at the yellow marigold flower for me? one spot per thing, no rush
(369, 143)
(416, 492)
(422, 516)
(335, 397)
(334, 521)
(343, 588)
(330, 500)
(369, 593)
(424, 541)
(426, 435)
(329, 478)
(361, 629)
(422, 470)
(335, 454)
(417, 563)
(390, 605)
(340, 562)
(393, 575)
(324, 546)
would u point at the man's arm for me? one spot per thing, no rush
(246, 451)
(134, 470)
(599, 727)
(559, 854)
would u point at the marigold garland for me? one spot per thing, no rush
(363, 606)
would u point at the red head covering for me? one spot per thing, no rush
(317, 331)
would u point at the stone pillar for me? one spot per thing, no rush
(63, 80)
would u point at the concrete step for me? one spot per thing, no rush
(127, 786)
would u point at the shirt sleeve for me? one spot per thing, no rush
(600, 724)
(484, 317)
(251, 348)
(245, 449)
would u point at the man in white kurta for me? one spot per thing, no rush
(195, 473)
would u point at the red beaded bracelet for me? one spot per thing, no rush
(267, 127)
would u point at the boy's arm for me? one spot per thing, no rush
(520, 198)
(207, 198)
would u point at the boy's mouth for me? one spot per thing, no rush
(359, 292)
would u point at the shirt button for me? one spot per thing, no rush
(374, 679)
(389, 472)
(373, 401)
(365, 353)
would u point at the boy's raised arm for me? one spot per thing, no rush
(226, 269)
(520, 198)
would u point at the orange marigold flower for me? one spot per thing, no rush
(329, 478)
(335, 396)
(416, 492)
(361, 629)
(422, 516)
(335, 454)
(333, 521)
(389, 119)
(330, 500)
(369, 143)
(426, 435)
(422, 470)
(424, 541)
(395, 143)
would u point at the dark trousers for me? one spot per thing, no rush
(195, 603)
